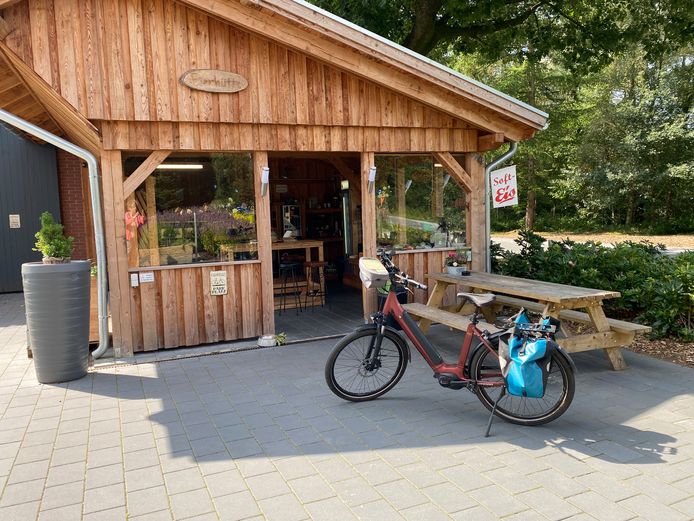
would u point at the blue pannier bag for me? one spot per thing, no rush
(525, 362)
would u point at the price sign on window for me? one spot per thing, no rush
(504, 187)
(218, 283)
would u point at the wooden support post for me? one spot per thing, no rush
(402, 207)
(437, 194)
(263, 227)
(152, 224)
(118, 276)
(368, 222)
(476, 213)
(614, 354)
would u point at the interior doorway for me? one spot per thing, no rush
(315, 203)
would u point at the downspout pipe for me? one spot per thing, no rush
(487, 200)
(93, 168)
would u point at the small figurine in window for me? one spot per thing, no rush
(133, 220)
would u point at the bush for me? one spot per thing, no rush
(656, 289)
(51, 241)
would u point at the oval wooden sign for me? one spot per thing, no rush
(214, 80)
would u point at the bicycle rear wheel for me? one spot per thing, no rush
(346, 371)
(559, 391)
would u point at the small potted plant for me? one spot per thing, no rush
(456, 263)
(56, 299)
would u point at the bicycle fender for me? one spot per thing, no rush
(566, 356)
(398, 337)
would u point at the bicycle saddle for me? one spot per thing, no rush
(479, 299)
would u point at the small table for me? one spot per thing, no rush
(307, 245)
(553, 299)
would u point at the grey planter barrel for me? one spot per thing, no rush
(56, 297)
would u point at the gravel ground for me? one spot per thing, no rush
(670, 241)
(666, 349)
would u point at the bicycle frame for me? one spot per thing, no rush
(394, 309)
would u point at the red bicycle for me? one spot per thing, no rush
(371, 361)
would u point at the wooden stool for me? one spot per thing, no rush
(313, 292)
(290, 284)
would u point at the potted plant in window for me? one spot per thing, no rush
(456, 263)
(56, 299)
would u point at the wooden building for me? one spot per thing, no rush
(187, 102)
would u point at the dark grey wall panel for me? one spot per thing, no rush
(28, 187)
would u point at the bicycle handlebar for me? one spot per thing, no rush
(404, 279)
(395, 272)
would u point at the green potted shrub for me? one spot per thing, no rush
(56, 299)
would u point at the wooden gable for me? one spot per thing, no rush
(120, 60)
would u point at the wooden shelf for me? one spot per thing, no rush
(323, 210)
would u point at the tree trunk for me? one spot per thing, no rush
(631, 209)
(531, 205)
(530, 208)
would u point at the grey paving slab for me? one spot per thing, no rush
(256, 434)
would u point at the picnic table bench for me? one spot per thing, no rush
(555, 300)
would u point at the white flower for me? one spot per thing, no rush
(455, 264)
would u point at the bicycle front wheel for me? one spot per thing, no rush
(347, 371)
(559, 391)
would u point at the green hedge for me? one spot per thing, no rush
(656, 289)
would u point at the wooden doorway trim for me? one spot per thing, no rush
(368, 223)
(263, 226)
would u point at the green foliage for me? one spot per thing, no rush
(656, 289)
(50, 239)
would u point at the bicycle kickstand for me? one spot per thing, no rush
(491, 415)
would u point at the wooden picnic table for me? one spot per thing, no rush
(556, 300)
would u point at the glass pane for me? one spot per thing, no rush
(193, 209)
(418, 206)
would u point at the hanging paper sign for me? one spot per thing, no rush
(218, 283)
(15, 221)
(146, 276)
(504, 187)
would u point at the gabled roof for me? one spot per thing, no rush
(25, 94)
(324, 36)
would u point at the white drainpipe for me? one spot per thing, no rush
(487, 200)
(93, 168)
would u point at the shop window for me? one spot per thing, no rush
(418, 205)
(192, 209)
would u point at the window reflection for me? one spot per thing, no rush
(193, 209)
(418, 205)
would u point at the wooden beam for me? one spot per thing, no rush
(455, 169)
(4, 4)
(344, 169)
(476, 215)
(368, 224)
(5, 28)
(76, 127)
(263, 225)
(491, 141)
(144, 171)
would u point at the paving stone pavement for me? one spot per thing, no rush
(257, 435)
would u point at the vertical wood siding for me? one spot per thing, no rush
(177, 308)
(417, 265)
(121, 60)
